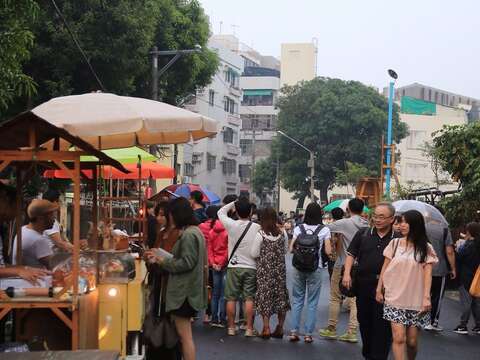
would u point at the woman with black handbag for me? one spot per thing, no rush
(157, 323)
(186, 289)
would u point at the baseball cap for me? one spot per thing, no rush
(40, 207)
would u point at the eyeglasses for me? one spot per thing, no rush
(380, 217)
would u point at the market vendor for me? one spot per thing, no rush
(7, 213)
(55, 233)
(36, 247)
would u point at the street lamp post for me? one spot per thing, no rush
(394, 76)
(155, 53)
(310, 163)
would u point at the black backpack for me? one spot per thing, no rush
(306, 249)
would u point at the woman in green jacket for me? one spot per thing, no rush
(186, 289)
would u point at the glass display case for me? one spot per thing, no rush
(87, 276)
(115, 267)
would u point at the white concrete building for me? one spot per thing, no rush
(260, 86)
(213, 162)
(414, 169)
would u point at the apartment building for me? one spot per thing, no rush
(213, 162)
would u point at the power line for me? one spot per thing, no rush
(72, 35)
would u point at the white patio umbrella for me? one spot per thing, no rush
(109, 121)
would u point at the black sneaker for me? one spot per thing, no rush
(461, 330)
(476, 330)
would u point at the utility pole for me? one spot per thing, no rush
(156, 75)
(252, 177)
(310, 164)
(278, 182)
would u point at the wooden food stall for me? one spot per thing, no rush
(120, 273)
(28, 142)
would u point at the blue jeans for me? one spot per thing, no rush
(218, 299)
(309, 285)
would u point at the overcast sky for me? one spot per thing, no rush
(434, 42)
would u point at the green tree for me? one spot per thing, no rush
(117, 37)
(351, 174)
(16, 40)
(458, 151)
(431, 153)
(340, 121)
(265, 179)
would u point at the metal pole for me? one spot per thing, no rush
(389, 140)
(154, 73)
(252, 177)
(278, 182)
(311, 163)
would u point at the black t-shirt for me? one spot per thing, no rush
(367, 248)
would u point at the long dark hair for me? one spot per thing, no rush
(474, 229)
(417, 234)
(269, 221)
(164, 207)
(182, 213)
(313, 214)
(212, 213)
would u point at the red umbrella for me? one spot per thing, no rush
(149, 170)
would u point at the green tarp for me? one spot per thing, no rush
(124, 155)
(414, 106)
(257, 92)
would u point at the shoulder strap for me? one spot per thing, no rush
(318, 229)
(302, 229)
(395, 247)
(239, 241)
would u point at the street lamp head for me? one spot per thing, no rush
(392, 74)
(198, 47)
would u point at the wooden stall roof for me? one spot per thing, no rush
(15, 134)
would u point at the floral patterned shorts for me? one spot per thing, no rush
(406, 317)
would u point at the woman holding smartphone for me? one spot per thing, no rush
(186, 288)
(405, 282)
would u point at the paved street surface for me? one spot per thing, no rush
(212, 343)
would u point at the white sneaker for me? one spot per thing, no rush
(429, 327)
(437, 327)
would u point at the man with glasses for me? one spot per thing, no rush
(367, 249)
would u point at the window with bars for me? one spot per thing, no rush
(211, 97)
(229, 166)
(246, 146)
(211, 162)
(260, 122)
(228, 135)
(244, 172)
(230, 106)
(189, 169)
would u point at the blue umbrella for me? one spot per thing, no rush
(184, 190)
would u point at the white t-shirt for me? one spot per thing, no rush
(243, 256)
(54, 230)
(35, 246)
(323, 235)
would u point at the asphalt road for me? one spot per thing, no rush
(213, 343)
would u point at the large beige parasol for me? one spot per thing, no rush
(109, 121)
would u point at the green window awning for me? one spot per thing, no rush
(257, 92)
(410, 105)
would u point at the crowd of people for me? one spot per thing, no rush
(229, 263)
(389, 271)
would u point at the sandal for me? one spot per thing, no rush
(293, 337)
(278, 333)
(265, 335)
(308, 339)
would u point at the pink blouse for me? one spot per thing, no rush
(403, 279)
